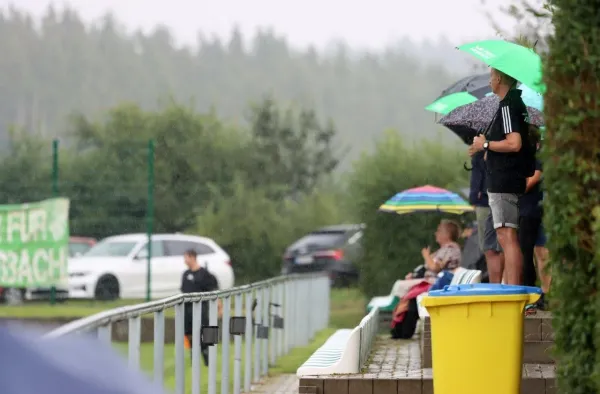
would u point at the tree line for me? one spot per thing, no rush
(61, 65)
(254, 189)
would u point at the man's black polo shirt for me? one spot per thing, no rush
(198, 281)
(505, 170)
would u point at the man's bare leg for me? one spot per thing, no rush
(495, 265)
(541, 258)
(513, 257)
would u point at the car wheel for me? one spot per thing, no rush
(13, 296)
(107, 288)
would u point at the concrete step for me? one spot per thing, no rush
(394, 367)
(538, 338)
(533, 353)
(536, 328)
(537, 379)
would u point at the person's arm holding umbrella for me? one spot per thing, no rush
(512, 143)
(511, 123)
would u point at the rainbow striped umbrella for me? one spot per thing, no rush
(426, 198)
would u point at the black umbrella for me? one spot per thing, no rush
(77, 364)
(476, 85)
(469, 120)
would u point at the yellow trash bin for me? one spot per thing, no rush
(477, 337)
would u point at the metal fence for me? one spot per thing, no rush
(265, 319)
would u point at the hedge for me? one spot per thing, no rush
(572, 187)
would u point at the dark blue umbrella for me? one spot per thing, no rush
(476, 85)
(67, 365)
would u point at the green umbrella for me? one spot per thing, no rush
(447, 103)
(515, 60)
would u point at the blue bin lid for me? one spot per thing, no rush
(484, 289)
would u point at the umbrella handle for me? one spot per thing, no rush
(467, 168)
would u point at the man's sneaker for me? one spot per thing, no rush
(531, 309)
(541, 303)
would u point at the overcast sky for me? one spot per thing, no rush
(360, 23)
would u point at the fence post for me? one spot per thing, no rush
(159, 347)
(225, 345)
(180, 348)
(54, 194)
(267, 322)
(150, 218)
(237, 344)
(213, 320)
(257, 342)
(248, 342)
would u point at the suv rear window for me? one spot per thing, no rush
(329, 238)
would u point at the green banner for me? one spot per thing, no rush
(34, 243)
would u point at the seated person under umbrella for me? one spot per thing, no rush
(447, 257)
(439, 268)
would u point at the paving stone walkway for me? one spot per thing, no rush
(394, 359)
(394, 367)
(282, 384)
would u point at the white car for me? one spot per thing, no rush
(116, 267)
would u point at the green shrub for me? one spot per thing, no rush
(572, 186)
(392, 242)
(255, 230)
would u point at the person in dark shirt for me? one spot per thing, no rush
(478, 197)
(502, 145)
(196, 279)
(531, 234)
(530, 222)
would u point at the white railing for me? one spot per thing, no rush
(369, 328)
(268, 319)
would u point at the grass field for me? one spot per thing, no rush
(66, 309)
(347, 308)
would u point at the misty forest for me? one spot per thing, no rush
(247, 130)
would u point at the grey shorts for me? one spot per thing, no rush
(505, 209)
(486, 231)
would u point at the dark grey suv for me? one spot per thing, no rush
(332, 249)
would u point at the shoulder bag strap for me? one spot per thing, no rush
(489, 126)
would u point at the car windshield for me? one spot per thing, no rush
(319, 239)
(110, 248)
(78, 248)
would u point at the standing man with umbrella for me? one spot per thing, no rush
(478, 197)
(502, 145)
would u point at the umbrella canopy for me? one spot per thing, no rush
(469, 120)
(66, 365)
(426, 198)
(531, 98)
(447, 103)
(476, 85)
(515, 60)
